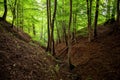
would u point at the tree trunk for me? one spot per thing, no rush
(90, 13)
(108, 10)
(41, 32)
(113, 10)
(52, 27)
(48, 25)
(5, 10)
(50, 46)
(34, 32)
(89, 9)
(69, 39)
(74, 27)
(118, 10)
(58, 33)
(96, 19)
(64, 32)
(13, 12)
(64, 24)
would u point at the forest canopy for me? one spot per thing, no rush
(31, 16)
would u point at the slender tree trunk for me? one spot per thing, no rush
(108, 10)
(49, 12)
(13, 12)
(41, 32)
(69, 39)
(64, 24)
(22, 16)
(90, 13)
(17, 15)
(74, 27)
(113, 10)
(50, 46)
(34, 32)
(58, 33)
(118, 10)
(89, 9)
(96, 19)
(48, 25)
(5, 10)
(64, 32)
(52, 27)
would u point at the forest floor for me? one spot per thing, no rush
(98, 59)
(23, 59)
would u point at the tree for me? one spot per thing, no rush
(48, 25)
(33, 26)
(58, 33)
(63, 22)
(69, 39)
(50, 46)
(52, 27)
(64, 32)
(89, 10)
(96, 19)
(118, 10)
(13, 12)
(113, 9)
(74, 26)
(108, 15)
(5, 10)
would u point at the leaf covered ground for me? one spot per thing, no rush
(22, 59)
(96, 60)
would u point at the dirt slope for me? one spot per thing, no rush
(20, 59)
(99, 59)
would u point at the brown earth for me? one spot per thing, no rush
(21, 59)
(96, 60)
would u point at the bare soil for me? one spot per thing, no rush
(21, 59)
(96, 60)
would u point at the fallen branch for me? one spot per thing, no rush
(61, 53)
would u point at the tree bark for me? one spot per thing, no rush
(113, 10)
(48, 26)
(108, 10)
(96, 19)
(64, 32)
(89, 9)
(69, 32)
(13, 12)
(90, 13)
(58, 33)
(5, 10)
(52, 27)
(34, 32)
(65, 37)
(118, 10)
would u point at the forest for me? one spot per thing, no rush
(59, 40)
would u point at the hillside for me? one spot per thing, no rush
(21, 59)
(96, 60)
